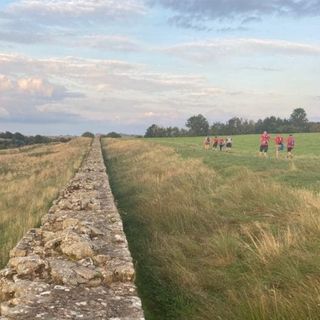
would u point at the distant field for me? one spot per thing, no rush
(31, 178)
(221, 235)
(303, 171)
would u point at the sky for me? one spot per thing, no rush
(69, 66)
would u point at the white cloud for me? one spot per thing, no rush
(110, 88)
(5, 83)
(125, 93)
(219, 48)
(31, 86)
(219, 9)
(51, 11)
(110, 43)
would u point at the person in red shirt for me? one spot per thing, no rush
(279, 144)
(264, 143)
(290, 145)
(215, 143)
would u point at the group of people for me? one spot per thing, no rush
(218, 143)
(279, 144)
(225, 144)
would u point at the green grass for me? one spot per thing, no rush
(302, 172)
(217, 235)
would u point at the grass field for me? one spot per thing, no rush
(302, 172)
(221, 235)
(31, 178)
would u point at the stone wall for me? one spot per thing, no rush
(77, 264)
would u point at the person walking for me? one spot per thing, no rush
(279, 144)
(290, 145)
(264, 143)
(221, 143)
(228, 144)
(206, 143)
(215, 143)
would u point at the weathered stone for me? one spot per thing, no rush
(26, 289)
(76, 247)
(18, 252)
(7, 273)
(70, 222)
(108, 276)
(62, 272)
(77, 265)
(95, 232)
(87, 273)
(53, 243)
(101, 259)
(65, 205)
(119, 238)
(6, 289)
(124, 273)
(27, 265)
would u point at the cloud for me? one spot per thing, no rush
(123, 94)
(24, 37)
(110, 43)
(113, 91)
(221, 9)
(68, 11)
(21, 97)
(231, 29)
(35, 87)
(187, 23)
(219, 48)
(267, 69)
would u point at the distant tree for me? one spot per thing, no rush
(248, 127)
(198, 125)
(153, 131)
(314, 126)
(113, 135)
(19, 139)
(218, 128)
(299, 119)
(6, 135)
(40, 139)
(234, 126)
(64, 139)
(88, 134)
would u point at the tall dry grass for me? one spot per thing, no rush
(30, 180)
(210, 247)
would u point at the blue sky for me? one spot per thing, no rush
(67, 66)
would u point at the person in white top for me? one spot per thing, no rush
(228, 143)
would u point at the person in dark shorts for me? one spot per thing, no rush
(228, 144)
(264, 143)
(290, 145)
(279, 144)
(221, 143)
(215, 143)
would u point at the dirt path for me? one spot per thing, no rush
(77, 264)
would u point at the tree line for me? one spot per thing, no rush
(17, 139)
(198, 125)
